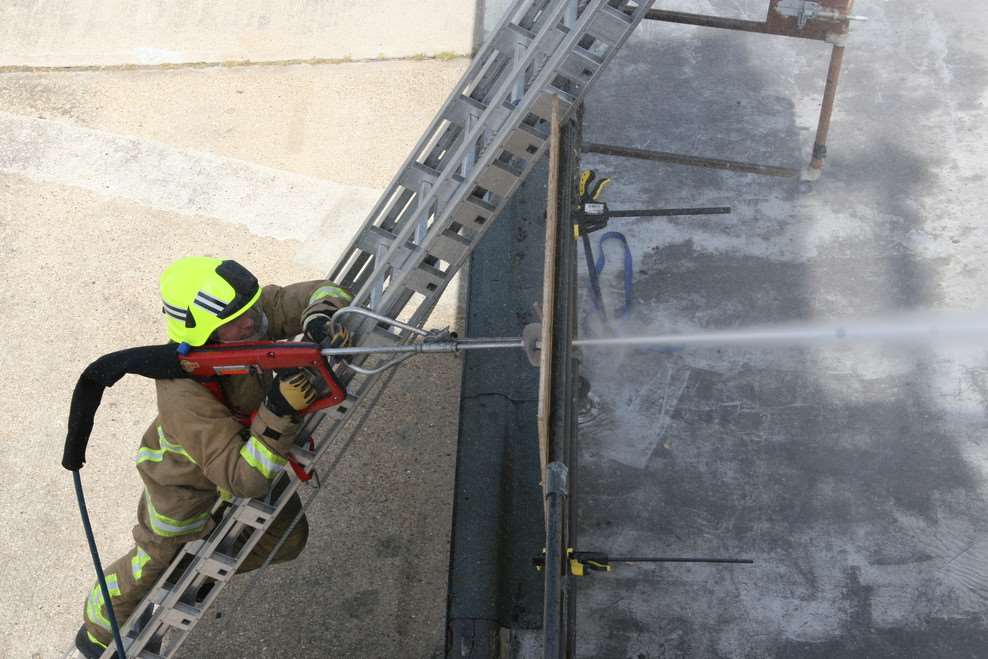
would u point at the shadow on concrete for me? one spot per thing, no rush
(478, 26)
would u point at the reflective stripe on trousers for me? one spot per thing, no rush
(137, 564)
(146, 454)
(94, 605)
(170, 527)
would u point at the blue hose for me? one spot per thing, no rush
(628, 268)
(629, 272)
(81, 499)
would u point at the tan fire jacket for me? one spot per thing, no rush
(196, 448)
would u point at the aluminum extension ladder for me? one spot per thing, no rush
(491, 131)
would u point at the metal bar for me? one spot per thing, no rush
(670, 212)
(564, 427)
(774, 27)
(692, 161)
(661, 559)
(361, 311)
(701, 20)
(453, 345)
(826, 111)
(555, 564)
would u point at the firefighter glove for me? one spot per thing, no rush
(340, 338)
(316, 327)
(320, 329)
(323, 303)
(290, 393)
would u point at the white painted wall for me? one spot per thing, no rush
(115, 32)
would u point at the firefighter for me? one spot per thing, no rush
(202, 445)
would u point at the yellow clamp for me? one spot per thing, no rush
(590, 192)
(579, 564)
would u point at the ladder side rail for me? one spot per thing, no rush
(547, 74)
(518, 69)
(482, 126)
(422, 313)
(165, 596)
(396, 200)
(532, 14)
(392, 202)
(233, 526)
(551, 71)
(168, 596)
(468, 77)
(136, 640)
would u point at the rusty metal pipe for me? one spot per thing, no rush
(693, 161)
(826, 111)
(685, 18)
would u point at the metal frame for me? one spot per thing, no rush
(822, 20)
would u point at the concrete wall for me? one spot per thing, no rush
(120, 32)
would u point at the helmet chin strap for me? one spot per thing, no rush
(262, 330)
(260, 334)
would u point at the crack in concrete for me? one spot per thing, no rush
(230, 64)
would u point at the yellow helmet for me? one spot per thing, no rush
(200, 294)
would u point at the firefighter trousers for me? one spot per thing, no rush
(131, 577)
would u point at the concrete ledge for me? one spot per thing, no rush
(121, 32)
(497, 509)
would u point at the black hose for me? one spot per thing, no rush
(81, 499)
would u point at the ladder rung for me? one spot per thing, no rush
(464, 107)
(515, 38)
(473, 213)
(425, 279)
(340, 411)
(498, 179)
(449, 246)
(566, 98)
(517, 32)
(377, 240)
(218, 566)
(467, 107)
(253, 513)
(524, 143)
(413, 177)
(580, 66)
(181, 616)
(542, 107)
(609, 25)
(374, 237)
(303, 455)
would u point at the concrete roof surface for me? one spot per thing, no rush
(855, 476)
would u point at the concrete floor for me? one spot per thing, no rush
(105, 177)
(854, 476)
